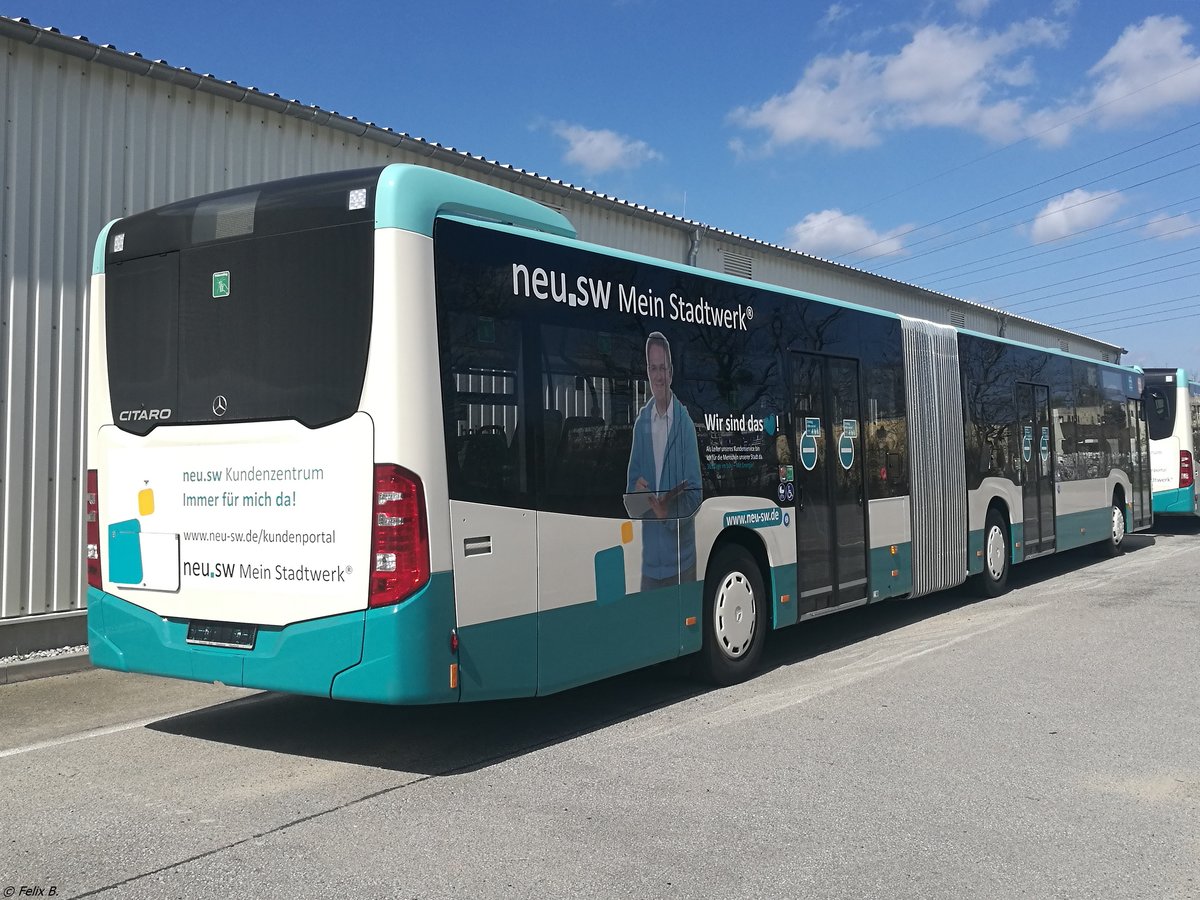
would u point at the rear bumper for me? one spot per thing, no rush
(397, 654)
(1179, 502)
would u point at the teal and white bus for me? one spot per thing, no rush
(1173, 420)
(396, 436)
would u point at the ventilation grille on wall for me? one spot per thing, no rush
(738, 264)
(1106, 356)
(1064, 346)
(958, 319)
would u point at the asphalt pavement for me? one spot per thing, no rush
(1042, 744)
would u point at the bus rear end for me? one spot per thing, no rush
(241, 527)
(1170, 403)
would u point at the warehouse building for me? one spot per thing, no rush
(91, 133)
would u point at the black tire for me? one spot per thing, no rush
(736, 617)
(1113, 541)
(997, 557)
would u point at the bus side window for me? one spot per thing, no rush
(592, 386)
(481, 372)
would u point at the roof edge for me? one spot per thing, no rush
(51, 38)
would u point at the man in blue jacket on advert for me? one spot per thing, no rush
(663, 485)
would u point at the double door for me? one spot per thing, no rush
(1035, 463)
(829, 487)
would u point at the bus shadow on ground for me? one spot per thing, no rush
(1176, 526)
(451, 739)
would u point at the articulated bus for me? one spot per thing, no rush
(392, 435)
(1173, 420)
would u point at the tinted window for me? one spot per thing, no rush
(1160, 412)
(581, 381)
(141, 330)
(482, 394)
(281, 207)
(884, 415)
(1092, 452)
(592, 385)
(990, 373)
(734, 379)
(1194, 403)
(284, 337)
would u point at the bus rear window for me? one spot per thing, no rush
(1160, 410)
(271, 327)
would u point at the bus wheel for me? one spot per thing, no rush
(993, 580)
(735, 617)
(1116, 530)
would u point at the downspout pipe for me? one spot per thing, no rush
(694, 250)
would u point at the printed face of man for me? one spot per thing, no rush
(658, 370)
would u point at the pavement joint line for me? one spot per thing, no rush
(81, 736)
(109, 729)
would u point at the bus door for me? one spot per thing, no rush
(1035, 462)
(492, 529)
(1139, 463)
(830, 497)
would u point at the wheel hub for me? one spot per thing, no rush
(734, 615)
(995, 553)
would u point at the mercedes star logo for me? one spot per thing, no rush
(220, 404)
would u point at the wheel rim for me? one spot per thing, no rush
(735, 615)
(995, 552)
(1118, 525)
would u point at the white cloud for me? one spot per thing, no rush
(958, 76)
(974, 79)
(1145, 54)
(973, 8)
(1073, 212)
(835, 13)
(833, 102)
(1148, 69)
(602, 150)
(1173, 228)
(832, 233)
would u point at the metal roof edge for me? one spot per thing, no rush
(22, 29)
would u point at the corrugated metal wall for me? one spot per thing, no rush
(90, 134)
(84, 143)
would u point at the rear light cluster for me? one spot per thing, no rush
(1186, 475)
(399, 536)
(92, 520)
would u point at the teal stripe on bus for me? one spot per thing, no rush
(406, 651)
(101, 244)
(784, 584)
(301, 658)
(1016, 543)
(976, 551)
(412, 197)
(883, 563)
(558, 649)
(1077, 529)
(499, 659)
(585, 642)
(355, 656)
(1181, 501)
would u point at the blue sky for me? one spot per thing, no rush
(1037, 156)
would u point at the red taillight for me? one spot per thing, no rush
(1186, 477)
(399, 536)
(92, 519)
